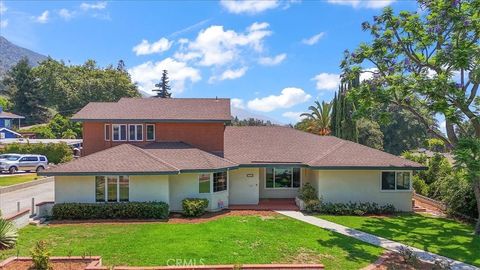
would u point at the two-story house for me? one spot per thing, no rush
(170, 149)
(7, 122)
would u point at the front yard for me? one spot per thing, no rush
(232, 239)
(17, 179)
(438, 235)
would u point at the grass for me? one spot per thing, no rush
(17, 179)
(438, 235)
(233, 239)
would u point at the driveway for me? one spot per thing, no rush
(42, 192)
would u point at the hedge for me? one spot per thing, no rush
(356, 209)
(55, 152)
(123, 210)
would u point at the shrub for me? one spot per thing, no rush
(41, 256)
(8, 234)
(55, 152)
(312, 205)
(307, 193)
(194, 207)
(357, 209)
(409, 256)
(127, 210)
(420, 186)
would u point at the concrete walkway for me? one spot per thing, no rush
(373, 239)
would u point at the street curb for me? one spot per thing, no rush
(25, 185)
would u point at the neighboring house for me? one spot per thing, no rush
(172, 149)
(7, 122)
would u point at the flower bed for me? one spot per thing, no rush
(58, 263)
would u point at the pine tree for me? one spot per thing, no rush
(163, 86)
(25, 93)
(343, 124)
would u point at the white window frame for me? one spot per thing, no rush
(110, 130)
(135, 130)
(211, 183)
(274, 188)
(105, 196)
(146, 132)
(119, 132)
(397, 190)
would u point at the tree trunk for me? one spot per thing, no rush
(452, 137)
(476, 189)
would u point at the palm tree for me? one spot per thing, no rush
(319, 117)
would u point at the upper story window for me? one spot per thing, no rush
(150, 132)
(135, 132)
(282, 178)
(107, 132)
(119, 132)
(396, 181)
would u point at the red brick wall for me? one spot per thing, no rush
(205, 136)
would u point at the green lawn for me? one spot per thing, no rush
(17, 179)
(438, 235)
(233, 239)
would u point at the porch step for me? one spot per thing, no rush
(418, 209)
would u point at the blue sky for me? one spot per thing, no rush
(273, 58)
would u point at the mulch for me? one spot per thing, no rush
(175, 218)
(63, 265)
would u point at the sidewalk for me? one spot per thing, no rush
(373, 239)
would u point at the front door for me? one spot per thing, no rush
(243, 186)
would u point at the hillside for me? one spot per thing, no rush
(10, 54)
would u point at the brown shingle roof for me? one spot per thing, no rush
(9, 115)
(154, 158)
(267, 145)
(157, 109)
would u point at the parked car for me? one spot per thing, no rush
(22, 162)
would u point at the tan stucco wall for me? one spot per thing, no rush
(267, 193)
(79, 189)
(243, 189)
(186, 186)
(145, 188)
(359, 186)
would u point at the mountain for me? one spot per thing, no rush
(243, 114)
(10, 54)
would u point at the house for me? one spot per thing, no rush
(170, 149)
(7, 122)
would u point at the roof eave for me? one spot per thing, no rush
(152, 120)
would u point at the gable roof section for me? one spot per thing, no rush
(155, 158)
(283, 145)
(157, 109)
(9, 115)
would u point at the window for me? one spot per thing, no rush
(150, 132)
(135, 132)
(282, 177)
(43, 159)
(8, 123)
(119, 132)
(112, 189)
(204, 183)
(219, 181)
(28, 159)
(395, 180)
(107, 132)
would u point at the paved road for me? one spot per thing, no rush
(41, 192)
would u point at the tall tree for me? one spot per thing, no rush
(163, 87)
(319, 118)
(343, 122)
(25, 94)
(425, 63)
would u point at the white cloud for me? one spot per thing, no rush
(3, 23)
(272, 61)
(229, 74)
(313, 39)
(327, 81)
(237, 103)
(43, 18)
(149, 73)
(159, 46)
(98, 5)
(363, 3)
(3, 7)
(295, 116)
(65, 14)
(215, 46)
(248, 6)
(288, 98)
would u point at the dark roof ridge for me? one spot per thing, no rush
(155, 157)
